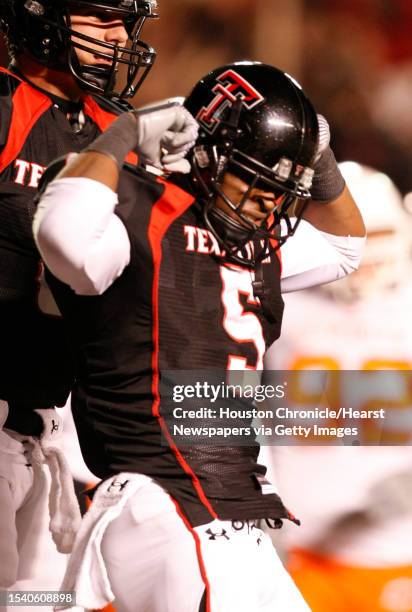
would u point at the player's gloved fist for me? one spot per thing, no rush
(328, 182)
(165, 133)
(162, 135)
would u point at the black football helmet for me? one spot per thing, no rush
(256, 123)
(43, 29)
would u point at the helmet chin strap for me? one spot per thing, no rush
(233, 233)
(230, 230)
(99, 76)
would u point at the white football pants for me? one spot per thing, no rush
(156, 563)
(28, 557)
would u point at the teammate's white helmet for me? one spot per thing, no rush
(387, 258)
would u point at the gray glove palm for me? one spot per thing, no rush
(162, 135)
(328, 182)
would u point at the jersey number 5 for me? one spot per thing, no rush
(240, 325)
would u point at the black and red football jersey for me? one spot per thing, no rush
(35, 365)
(176, 307)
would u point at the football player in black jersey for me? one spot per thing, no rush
(61, 52)
(185, 274)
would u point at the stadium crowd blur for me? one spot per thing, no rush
(354, 58)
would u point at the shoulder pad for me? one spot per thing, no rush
(117, 107)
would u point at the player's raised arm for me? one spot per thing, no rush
(161, 135)
(80, 238)
(332, 235)
(332, 208)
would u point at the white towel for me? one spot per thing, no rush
(86, 572)
(65, 515)
(23, 487)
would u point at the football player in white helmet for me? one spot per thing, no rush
(387, 257)
(353, 550)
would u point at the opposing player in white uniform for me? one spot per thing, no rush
(353, 550)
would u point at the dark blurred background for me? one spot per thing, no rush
(353, 58)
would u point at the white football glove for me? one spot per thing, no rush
(162, 135)
(165, 133)
(324, 136)
(328, 182)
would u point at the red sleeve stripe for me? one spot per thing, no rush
(169, 207)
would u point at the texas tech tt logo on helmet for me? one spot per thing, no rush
(230, 86)
(256, 124)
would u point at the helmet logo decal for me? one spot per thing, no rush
(230, 87)
(35, 8)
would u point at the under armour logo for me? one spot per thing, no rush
(117, 484)
(229, 88)
(55, 426)
(213, 536)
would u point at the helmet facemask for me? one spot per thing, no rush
(138, 57)
(244, 241)
(256, 124)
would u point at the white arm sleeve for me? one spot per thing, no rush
(81, 240)
(312, 257)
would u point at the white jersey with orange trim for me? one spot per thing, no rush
(355, 503)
